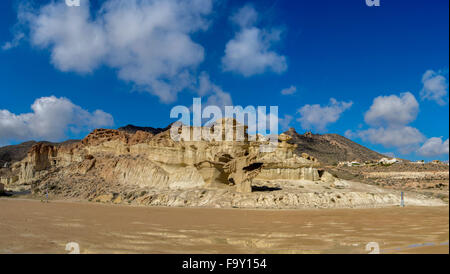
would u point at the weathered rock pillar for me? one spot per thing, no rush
(244, 187)
(243, 170)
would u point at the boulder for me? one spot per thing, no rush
(327, 177)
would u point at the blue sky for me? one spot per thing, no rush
(336, 56)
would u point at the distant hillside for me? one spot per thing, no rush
(331, 148)
(15, 153)
(134, 129)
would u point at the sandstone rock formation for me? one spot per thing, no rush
(158, 161)
(154, 169)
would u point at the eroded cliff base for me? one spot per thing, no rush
(282, 194)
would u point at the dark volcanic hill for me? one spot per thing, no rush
(331, 148)
(134, 129)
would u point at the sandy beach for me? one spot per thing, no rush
(30, 226)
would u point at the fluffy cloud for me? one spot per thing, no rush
(389, 117)
(246, 17)
(50, 120)
(216, 96)
(392, 110)
(285, 122)
(434, 147)
(389, 154)
(148, 41)
(289, 91)
(249, 52)
(405, 138)
(435, 87)
(15, 42)
(318, 117)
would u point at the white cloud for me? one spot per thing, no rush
(392, 110)
(148, 42)
(217, 97)
(18, 36)
(318, 117)
(289, 91)
(434, 147)
(50, 120)
(435, 87)
(389, 154)
(285, 122)
(246, 17)
(220, 99)
(350, 134)
(389, 117)
(77, 43)
(249, 52)
(405, 138)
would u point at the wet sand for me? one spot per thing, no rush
(29, 226)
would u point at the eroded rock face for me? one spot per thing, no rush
(112, 159)
(157, 161)
(150, 168)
